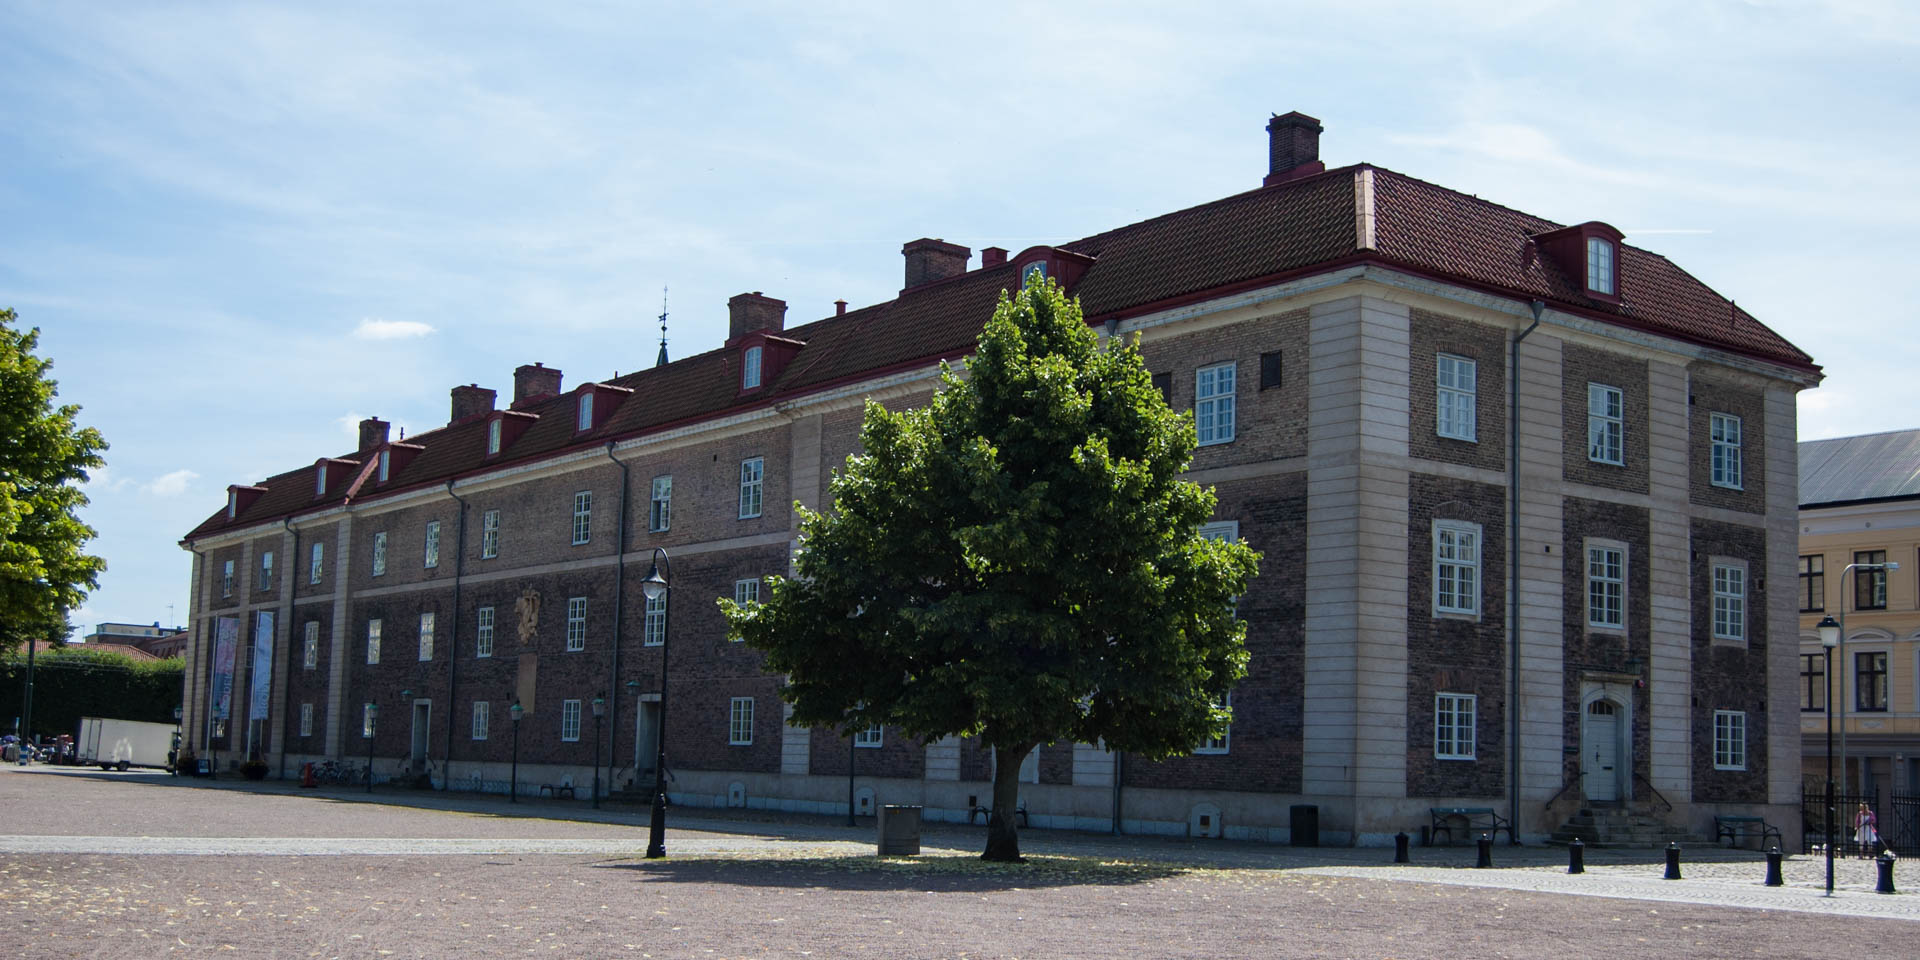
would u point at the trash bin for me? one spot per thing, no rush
(899, 828)
(1304, 823)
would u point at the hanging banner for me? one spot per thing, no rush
(226, 637)
(261, 670)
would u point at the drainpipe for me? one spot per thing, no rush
(1513, 578)
(286, 616)
(453, 636)
(619, 591)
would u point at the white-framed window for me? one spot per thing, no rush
(1213, 399)
(1729, 740)
(426, 635)
(320, 480)
(570, 720)
(482, 718)
(386, 465)
(489, 534)
(316, 563)
(1453, 726)
(366, 721)
(1456, 382)
(430, 556)
(1221, 743)
(1607, 585)
(752, 471)
(870, 737)
(380, 554)
(576, 623)
(226, 579)
(266, 570)
(1600, 265)
(1456, 567)
(1730, 601)
(306, 719)
(233, 504)
(746, 591)
(483, 632)
(493, 437)
(373, 640)
(1724, 430)
(582, 517)
(740, 722)
(1033, 272)
(1606, 424)
(660, 508)
(750, 369)
(654, 628)
(585, 421)
(310, 646)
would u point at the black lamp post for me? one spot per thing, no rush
(599, 710)
(1829, 638)
(26, 695)
(657, 587)
(373, 720)
(513, 785)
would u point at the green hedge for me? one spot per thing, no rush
(76, 682)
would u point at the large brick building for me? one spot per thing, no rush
(1389, 376)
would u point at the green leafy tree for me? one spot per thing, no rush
(44, 457)
(1018, 561)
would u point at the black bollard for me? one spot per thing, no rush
(1886, 872)
(1486, 851)
(1400, 841)
(1773, 867)
(1673, 861)
(1576, 856)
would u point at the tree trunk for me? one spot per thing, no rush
(1003, 838)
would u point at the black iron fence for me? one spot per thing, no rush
(1898, 816)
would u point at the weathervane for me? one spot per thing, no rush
(663, 328)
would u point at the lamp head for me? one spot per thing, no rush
(599, 707)
(655, 585)
(516, 712)
(1829, 632)
(373, 711)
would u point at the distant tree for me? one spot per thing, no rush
(1018, 561)
(44, 457)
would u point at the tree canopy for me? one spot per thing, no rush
(1018, 561)
(44, 457)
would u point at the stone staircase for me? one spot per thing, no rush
(1599, 826)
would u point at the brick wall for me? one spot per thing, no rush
(1456, 653)
(1431, 334)
(1579, 367)
(1588, 649)
(1270, 424)
(1712, 394)
(1726, 676)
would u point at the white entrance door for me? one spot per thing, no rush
(1599, 751)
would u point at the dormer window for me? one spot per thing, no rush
(233, 504)
(1035, 270)
(320, 480)
(493, 438)
(386, 464)
(586, 412)
(750, 369)
(1600, 265)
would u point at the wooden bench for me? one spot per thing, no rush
(556, 790)
(986, 815)
(1476, 820)
(1736, 829)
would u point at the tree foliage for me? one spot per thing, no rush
(1018, 561)
(73, 682)
(44, 457)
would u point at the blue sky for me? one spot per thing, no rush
(242, 228)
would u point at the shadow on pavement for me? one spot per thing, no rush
(931, 873)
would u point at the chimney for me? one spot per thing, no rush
(839, 308)
(471, 400)
(993, 257)
(1293, 147)
(929, 260)
(533, 382)
(753, 311)
(373, 433)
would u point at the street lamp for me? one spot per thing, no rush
(1829, 638)
(373, 719)
(657, 587)
(26, 695)
(513, 785)
(599, 710)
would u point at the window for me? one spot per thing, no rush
(366, 721)
(1729, 740)
(1599, 266)
(1453, 716)
(750, 369)
(570, 720)
(482, 716)
(233, 504)
(306, 719)
(1606, 425)
(585, 422)
(751, 473)
(1607, 586)
(1813, 583)
(1456, 567)
(386, 464)
(740, 722)
(1213, 403)
(1270, 370)
(1219, 744)
(380, 554)
(654, 631)
(310, 646)
(660, 511)
(315, 563)
(1724, 430)
(320, 481)
(746, 591)
(1455, 379)
(266, 570)
(1870, 681)
(226, 580)
(1729, 602)
(870, 737)
(1163, 382)
(493, 437)
(1813, 682)
(483, 632)
(576, 623)
(373, 640)
(489, 534)
(582, 517)
(1033, 272)
(426, 635)
(1870, 585)
(430, 558)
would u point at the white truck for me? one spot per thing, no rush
(119, 744)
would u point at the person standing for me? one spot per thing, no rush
(1866, 830)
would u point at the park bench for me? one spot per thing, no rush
(1476, 820)
(1735, 829)
(985, 814)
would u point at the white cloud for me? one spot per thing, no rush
(171, 484)
(372, 329)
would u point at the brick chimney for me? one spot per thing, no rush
(471, 400)
(929, 260)
(753, 311)
(373, 433)
(1293, 147)
(993, 257)
(532, 382)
